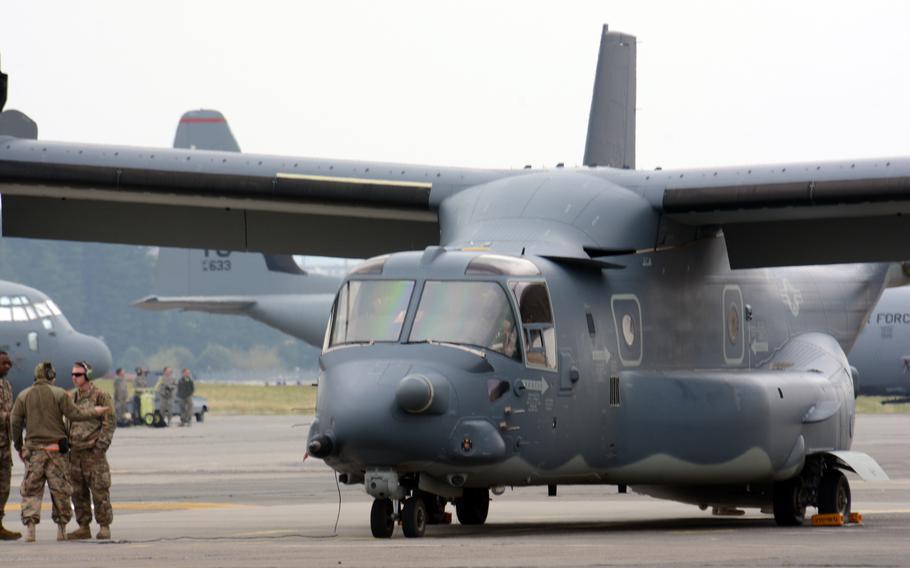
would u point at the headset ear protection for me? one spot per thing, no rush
(89, 375)
(49, 372)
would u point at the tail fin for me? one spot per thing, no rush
(205, 130)
(15, 123)
(611, 125)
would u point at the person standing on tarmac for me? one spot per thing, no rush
(6, 453)
(185, 390)
(121, 396)
(166, 387)
(89, 471)
(39, 410)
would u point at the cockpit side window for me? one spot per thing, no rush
(370, 310)
(537, 322)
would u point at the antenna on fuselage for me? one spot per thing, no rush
(611, 124)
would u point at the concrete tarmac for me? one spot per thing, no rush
(233, 491)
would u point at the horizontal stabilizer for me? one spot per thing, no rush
(209, 304)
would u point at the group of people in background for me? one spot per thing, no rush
(167, 390)
(63, 437)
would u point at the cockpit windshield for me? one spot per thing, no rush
(468, 313)
(370, 310)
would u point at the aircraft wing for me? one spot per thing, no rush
(218, 200)
(792, 214)
(209, 304)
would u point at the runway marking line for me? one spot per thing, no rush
(153, 506)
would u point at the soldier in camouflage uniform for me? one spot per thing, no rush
(39, 410)
(185, 390)
(166, 387)
(6, 454)
(121, 395)
(89, 471)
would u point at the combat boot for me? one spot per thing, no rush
(82, 533)
(30, 532)
(61, 532)
(8, 535)
(104, 533)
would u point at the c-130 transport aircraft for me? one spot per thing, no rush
(565, 326)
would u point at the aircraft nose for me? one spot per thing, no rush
(397, 417)
(94, 351)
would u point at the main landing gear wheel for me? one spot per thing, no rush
(472, 507)
(382, 521)
(789, 502)
(414, 517)
(834, 494)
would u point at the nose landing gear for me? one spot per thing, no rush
(420, 509)
(382, 518)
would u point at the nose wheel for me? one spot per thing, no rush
(382, 518)
(414, 517)
(412, 514)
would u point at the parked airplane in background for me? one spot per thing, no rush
(881, 354)
(33, 329)
(270, 288)
(585, 325)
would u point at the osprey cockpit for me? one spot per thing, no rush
(423, 355)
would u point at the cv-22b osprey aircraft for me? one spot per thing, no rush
(598, 325)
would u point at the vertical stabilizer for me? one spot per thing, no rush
(611, 125)
(205, 130)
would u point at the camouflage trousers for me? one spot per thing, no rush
(90, 475)
(6, 473)
(41, 466)
(186, 411)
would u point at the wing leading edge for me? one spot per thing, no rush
(217, 199)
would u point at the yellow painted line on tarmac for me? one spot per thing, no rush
(153, 506)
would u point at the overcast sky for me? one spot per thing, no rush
(496, 84)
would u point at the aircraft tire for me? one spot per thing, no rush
(382, 524)
(789, 510)
(473, 506)
(148, 419)
(834, 494)
(200, 417)
(414, 517)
